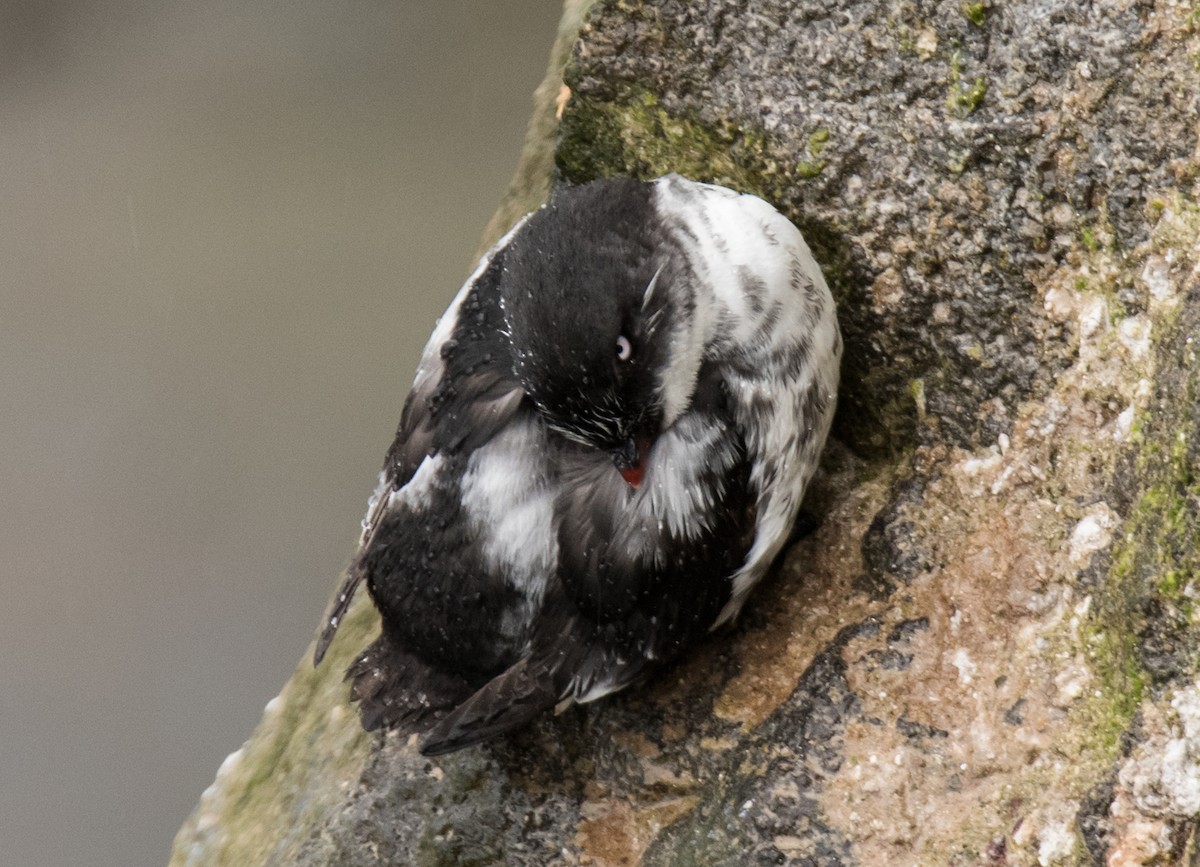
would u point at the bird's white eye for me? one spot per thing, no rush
(624, 348)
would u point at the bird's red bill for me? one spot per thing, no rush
(634, 475)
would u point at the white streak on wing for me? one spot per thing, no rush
(375, 508)
(729, 238)
(416, 494)
(602, 674)
(598, 689)
(509, 501)
(648, 295)
(430, 368)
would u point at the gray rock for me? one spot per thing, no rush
(987, 652)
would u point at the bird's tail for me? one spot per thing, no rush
(506, 702)
(575, 666)
(337, 611)
(396, 689)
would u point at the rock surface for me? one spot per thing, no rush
(988, 651)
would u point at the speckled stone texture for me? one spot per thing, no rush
(943, 154)
(987, 653)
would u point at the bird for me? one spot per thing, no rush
(604, 449)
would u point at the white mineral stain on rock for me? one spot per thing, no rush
(1056, 842)
(927, 42)
(1124, 424)
(1071, 682)
(966, 667)
(982, 473)
(1156, 276)
(1060, 302)
(1134, 334)
(1093, 312)
(1164, 773)
(977, 465)
(1092, 533)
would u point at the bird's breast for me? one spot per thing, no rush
(507, 495)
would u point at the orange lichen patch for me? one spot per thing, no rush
(1139, 842)
(800, 625)
(663, 777)
(717, 744)
(673, 732)
(636, 743)
(615, 833)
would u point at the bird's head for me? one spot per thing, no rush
(594, 315)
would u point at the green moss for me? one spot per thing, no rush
(1141, 628)
(1171, 583)
(964, 98)
(1140, 632)
(968, 99)
(976, 13)
(277, 790)
(1122, 685)
(813, 166)
(916, 390)
(957, 163)
(636, 136)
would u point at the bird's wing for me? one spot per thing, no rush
(777, 340)
(463, 394)
(464, 390)
(784, 415)
(502, 704)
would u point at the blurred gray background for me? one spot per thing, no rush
(226, 229)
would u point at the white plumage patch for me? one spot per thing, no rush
(508, 499)
(419, 490)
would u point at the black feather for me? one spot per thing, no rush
(541, 536)
(337, 612)
(504, 703)
(477, 392)
(475, 396)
